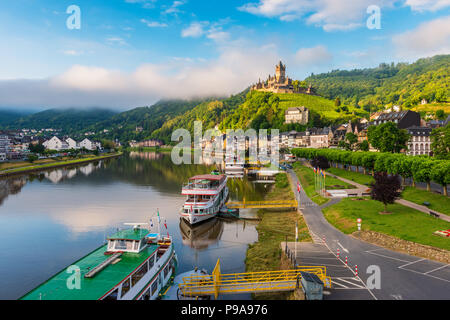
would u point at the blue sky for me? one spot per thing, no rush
(134, 52)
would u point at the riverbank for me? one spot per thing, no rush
(275, 226)
(57, 164)
(147, 149)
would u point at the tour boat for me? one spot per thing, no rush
(234, 166)
(206, 194)
(134, 264)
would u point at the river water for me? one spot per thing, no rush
(48, 220)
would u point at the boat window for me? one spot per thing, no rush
(125, 287)
(166, 271)
(146, 295)
(121, 244)
(154, 287)
(151, 262)
(110, 244)
(113, 295)
(138, 275)
(136, 245)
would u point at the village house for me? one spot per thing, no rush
(56, 143)
(89, 145)
(420, 141)
(297, 115)
(404, 119)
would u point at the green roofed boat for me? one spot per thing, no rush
(135, 264)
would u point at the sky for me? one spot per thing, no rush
(123, 54)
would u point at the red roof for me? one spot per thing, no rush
(208, 177)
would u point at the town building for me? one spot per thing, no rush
(4, 144)
(420, 141)
(72, 143)
(89, 145)
(56, 143)
(404, 119)
(146, 143)
(280, 83)
(297, 115)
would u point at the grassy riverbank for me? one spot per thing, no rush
(274, 227)
(24, 167)
(404, 223)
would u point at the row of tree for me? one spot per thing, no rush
(419, 168)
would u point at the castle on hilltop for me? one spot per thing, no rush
(280, 83)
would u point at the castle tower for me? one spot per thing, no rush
(280, 72)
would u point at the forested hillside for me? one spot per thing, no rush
(397, 84)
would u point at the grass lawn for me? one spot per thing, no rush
(265, 254)
(351, 175)
(404, 223)
(306, 177)
(437, 202)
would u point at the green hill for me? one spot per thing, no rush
(263, 110)
(70, 120)
(397, 84)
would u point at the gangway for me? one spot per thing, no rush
(249, 282)
(262, 204)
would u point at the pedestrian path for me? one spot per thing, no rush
(403, 202)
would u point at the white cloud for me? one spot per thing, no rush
(116, 40)
(174, 8)
(427, 5)
(428, 39)
(153, 24)
(316, 56)
(234, 70)
(195, 30)
(331, 15)
(72, 52)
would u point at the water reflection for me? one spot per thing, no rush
(203, 235)
(68, 212)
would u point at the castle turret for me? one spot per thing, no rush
(280, 72)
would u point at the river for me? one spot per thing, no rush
(50, 219)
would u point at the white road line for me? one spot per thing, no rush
(340, 245)
(426, 275)
(339, 284)
(357, 285)
(382, 255)
(410, 263)
(437, 269)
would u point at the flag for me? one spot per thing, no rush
(165, 224)
(298, 186)
(159, 218)
(151, 223)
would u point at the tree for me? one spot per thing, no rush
(32, 158)
(387, 137)
(364, 146)
(441, 174)
(36, 148)
(440, 114)
(440, 142)
(337, 102)
(320, 162)
(422, 172)
(385, 188)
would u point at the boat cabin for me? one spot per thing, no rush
(205, 181)
(130, 240)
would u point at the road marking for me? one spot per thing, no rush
(340, 245)
(397, 296)
(382, 255)
(410, 263)
(437, 269)
(357, 285)
(427, 275)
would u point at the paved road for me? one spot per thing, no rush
(402, 276)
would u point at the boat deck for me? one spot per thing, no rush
(91, 288)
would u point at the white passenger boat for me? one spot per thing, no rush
(206, 194)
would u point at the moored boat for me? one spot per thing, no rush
(206, 194)
(135, 264)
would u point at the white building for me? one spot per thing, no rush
(420, 141)
(72, 143)
(89, 145)
(56, 144)
(4, 144)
